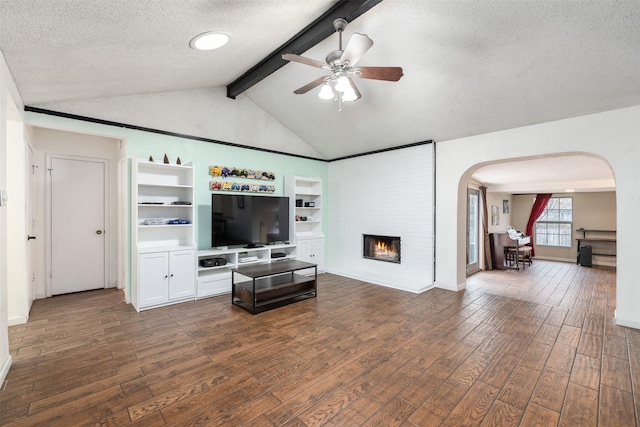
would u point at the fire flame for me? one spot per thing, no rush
(382, 249)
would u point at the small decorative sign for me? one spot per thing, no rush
(242, 187)
(225, 172)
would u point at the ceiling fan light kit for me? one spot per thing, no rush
(339, 85)
(325, 91)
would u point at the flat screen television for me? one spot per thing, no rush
(238, 219)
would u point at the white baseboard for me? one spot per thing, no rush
(595, 260)
(4, 369)
(550, 258)
(628, 323)
(386, 285)
(447, 287)
(18, 320)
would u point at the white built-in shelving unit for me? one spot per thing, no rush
(305, 198)
(164, 261)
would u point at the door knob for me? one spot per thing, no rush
(98, 231)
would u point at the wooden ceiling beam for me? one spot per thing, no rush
(310, 36)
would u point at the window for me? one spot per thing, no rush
(553, 227)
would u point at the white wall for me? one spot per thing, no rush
(9, 98)
(76, 144)
(18, 303)
(206, 113)
(504, 219)
(389, 194)
(612, 135)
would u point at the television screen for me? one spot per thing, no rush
(238, 219)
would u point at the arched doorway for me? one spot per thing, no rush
(583, 181)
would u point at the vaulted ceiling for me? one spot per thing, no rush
(470, 67)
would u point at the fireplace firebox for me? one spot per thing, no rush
(381, 248)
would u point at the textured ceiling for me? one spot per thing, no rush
(556, 174)
(63, 50)
(471, 67)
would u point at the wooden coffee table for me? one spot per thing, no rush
(272, 285)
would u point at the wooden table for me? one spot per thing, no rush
(272, 285)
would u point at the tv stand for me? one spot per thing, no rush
(217, 280)
(272, 285)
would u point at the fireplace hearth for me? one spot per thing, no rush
(381, 248)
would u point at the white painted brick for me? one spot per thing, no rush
(391, 194)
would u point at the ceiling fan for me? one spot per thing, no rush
(339, 85)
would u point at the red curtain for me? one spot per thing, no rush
(536, 211)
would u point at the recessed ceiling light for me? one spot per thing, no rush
(209, 40)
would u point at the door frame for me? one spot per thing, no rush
(475, 267)
(48, 220)
(30, 211)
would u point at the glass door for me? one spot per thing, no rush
(473, 229)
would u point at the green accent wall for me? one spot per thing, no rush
(141, 144)
(205, 154)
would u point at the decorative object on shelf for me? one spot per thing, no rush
(151, 158)
(153, 221)
(160, 221)
(178, 162)
(178, 221)
(226, 172)
(166, 159)
(235, 186)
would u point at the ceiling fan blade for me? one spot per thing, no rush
(302, 60)
(306, 88)
(358, 45)
(391, 74)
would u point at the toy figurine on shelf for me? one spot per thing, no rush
(178, 162)
(151, 158)
(166, 159)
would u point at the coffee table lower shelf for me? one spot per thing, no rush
(263, 293)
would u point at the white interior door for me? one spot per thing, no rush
(77, 224)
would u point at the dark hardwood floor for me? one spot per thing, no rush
(538, 347)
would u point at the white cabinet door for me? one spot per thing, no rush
(303, 250)
(153, 278)
(182, 267)
(311, 250)
(317, 253)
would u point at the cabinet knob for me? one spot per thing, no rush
(98, 231)
(165, 276)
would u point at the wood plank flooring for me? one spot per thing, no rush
(538, 347)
